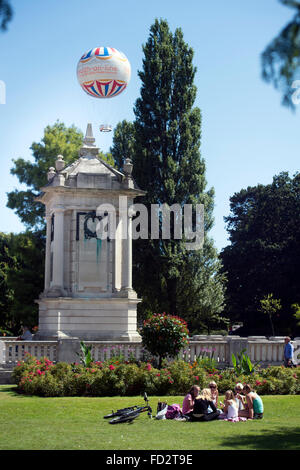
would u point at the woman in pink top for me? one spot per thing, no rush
(188, 402)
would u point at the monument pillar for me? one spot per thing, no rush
(57, 282)
(127, 254)
(48, 251)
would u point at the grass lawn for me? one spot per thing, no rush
(34, 423)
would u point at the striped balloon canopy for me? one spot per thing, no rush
(103, 72)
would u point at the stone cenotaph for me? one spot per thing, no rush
(88, 292)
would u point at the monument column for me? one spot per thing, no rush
(48, 251)
(58, 250)
(127, 252)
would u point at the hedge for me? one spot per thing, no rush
(121, 378)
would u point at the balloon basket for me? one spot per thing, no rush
(105, 128)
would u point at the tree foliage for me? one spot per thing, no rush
(21, 278)
(6, 13)
(281, 58)
(270, 307)
(264, 255)
(163, 143)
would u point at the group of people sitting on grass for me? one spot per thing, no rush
(239, 405)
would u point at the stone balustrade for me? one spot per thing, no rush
(259, 348)
(12, 351)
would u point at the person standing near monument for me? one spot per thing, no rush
(26, 336)
(288, 352)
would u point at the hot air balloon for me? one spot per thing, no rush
(103, 72)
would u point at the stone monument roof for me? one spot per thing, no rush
(89, 171)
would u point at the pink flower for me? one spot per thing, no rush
(39, 372)
(148, 366)
(112, 367)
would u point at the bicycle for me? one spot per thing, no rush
(127, 415)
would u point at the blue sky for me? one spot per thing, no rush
(247, 136)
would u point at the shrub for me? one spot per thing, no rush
(164, 335)
(43, 378)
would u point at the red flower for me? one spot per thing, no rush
(112, 367)
(39, 372)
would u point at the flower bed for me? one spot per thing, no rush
(118, 377)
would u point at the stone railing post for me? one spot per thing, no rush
(236, 345)
(67, 350)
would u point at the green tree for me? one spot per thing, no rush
(270, 307)
(281, 58)
(21, 278)
(123, 143)
(264, 254)
(296, 310)
(163, 143)
(6, 13)
(6, 293)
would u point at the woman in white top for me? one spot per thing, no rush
(230, 405)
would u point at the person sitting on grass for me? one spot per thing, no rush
(230, 406)
(201, 407)
(240, 399)
(214, 392)
(189, 400)
(254, 408)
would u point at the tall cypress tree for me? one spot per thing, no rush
(168, 165)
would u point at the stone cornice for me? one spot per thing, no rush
(90, 192)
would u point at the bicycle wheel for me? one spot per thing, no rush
(124, 418)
